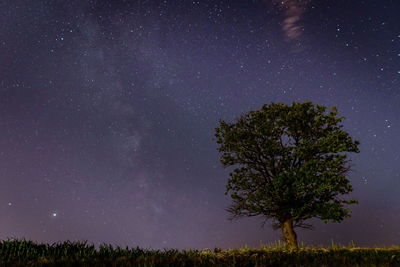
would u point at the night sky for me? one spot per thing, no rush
(108, 110)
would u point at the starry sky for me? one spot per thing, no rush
(108, 110)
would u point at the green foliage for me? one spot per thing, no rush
(28, 253)
(290, 163)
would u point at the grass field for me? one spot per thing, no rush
(28, 253)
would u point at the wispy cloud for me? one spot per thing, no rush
(294, 10)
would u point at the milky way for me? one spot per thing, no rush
(108, 110)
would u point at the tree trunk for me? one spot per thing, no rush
(289, 235)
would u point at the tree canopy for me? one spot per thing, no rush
(290, 165)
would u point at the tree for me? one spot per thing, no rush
(290, 164)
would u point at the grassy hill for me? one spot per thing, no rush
(28, 253)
